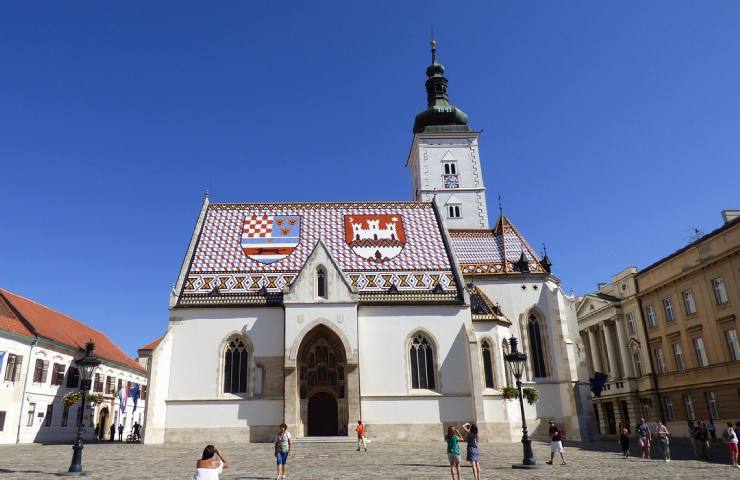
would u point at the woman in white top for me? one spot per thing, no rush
(662, 431)
(730, 437)
(210, 466)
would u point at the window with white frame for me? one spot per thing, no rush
(454, 211)
(421, 362)
(13, 367)
(631, 327)
(31, 413)
(650, 313)
(40, 371)
(720, 293)
(678, 357)
(487, 354)
(236, 365)
(688, 302)
(668, 309)
(638, 362)
(732, 344)
(701, 352)
(712, 405)
(688, 405)
(668, 408)
(450, 168)
(659, 360)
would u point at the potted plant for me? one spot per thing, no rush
(510, 393)
(531, 395)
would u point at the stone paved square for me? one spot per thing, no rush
(329, 461)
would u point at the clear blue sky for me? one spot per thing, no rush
(610, 128)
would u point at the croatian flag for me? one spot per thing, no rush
(123, 394)
(135, 396)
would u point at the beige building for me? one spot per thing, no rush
(691, 303)
(667, 336)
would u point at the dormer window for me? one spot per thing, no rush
(450, 168)
(321, 282)
(453, 211)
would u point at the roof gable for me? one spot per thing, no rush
(249, 253)
(58, 327)
(497, 251)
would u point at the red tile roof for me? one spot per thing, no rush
(56, 326)
(152, 345)
(10, 322)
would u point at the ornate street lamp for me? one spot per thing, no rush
(86, 365)
(517, 360)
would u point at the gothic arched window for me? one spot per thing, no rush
(485, 348)
(421, 355)
(321, 282)
(536, 347)
(236, 363)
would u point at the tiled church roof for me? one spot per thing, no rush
(497, 251)
(52, 325)
(249, 253)
(151, 345)
(11, 322)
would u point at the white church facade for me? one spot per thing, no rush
(396, 313)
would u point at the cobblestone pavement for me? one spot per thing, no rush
(328, 461)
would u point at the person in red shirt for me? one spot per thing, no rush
(360, 429)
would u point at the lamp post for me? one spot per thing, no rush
(86, 366)
(517, 360)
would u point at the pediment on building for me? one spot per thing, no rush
(304, 287)
(595, 302)
(448, 157)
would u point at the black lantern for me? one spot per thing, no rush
(86, 366)
(517, 360)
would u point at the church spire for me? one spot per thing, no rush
(440, 112)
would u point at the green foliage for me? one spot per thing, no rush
(96, 399)
(510, 393)
(531, 395)
(72, 398)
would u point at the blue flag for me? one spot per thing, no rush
(135, 396)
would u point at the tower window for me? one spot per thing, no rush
(450, 168)
(453, 211)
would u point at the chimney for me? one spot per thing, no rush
(730, 215)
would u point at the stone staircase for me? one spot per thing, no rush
(337, 439)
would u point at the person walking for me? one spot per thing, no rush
(662, 432)
(643, 435)
(624, 439)
(120, 432)
(473, 450)
(211, 464)
(360, 429)
(730, 438)
(701, 435)
(112, 432)
(453, 451)
(556, 442)
(283, 444)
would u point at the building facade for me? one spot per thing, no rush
(38, 347)
(667, 337)
(396, 313)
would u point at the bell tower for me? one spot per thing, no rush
(444, 159)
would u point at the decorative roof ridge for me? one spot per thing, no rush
(404, 203)
(524, 241)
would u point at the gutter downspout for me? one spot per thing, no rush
(25, 386)
(653, 375)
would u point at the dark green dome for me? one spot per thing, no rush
(440, 112)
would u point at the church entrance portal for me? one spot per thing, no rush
(322, 415)
(322, 383)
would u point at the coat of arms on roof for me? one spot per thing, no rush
(269, 238)
(376, 238)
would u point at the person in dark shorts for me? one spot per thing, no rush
(473, 453)
(453, 451)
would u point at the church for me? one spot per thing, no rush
(394, 312)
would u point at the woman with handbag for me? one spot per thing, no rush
(283, 445)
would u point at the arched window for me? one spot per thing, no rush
(321, 282)
(485, 348)
(421, 355)
(236, 362)
(536, 347)
(507, 367)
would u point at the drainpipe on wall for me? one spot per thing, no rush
(25, 385)
(653, 375)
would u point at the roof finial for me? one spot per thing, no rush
(206, 193)
(544, 249)
(434, 48)
(500, 206)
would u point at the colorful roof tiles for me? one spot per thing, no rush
(249, 253)
(492, 252)
(47, 323)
